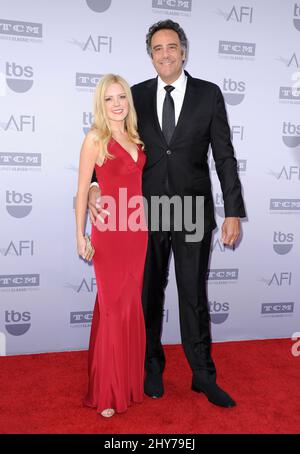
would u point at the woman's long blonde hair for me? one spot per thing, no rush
(100, 126)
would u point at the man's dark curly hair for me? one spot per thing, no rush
(166, 25)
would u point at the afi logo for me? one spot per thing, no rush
(293, 61)
(289, 173)
(244, 13)
(23, 247)
(219, 246)
(237, 131)
(87, 286)
(101, 42)
(19, 124)
(283, 278)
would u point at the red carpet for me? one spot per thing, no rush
(42, 394)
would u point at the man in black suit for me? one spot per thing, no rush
(178, 118)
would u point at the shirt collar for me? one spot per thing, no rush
(179, 84)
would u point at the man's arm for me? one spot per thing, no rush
(226, 167)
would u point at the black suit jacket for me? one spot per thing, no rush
(181, 167)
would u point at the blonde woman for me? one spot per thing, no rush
(117, 342)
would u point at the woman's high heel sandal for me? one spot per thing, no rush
(108, 412)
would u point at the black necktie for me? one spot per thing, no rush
(168, 114)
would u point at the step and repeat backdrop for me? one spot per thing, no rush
(51, 56)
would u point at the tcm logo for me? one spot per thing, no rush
(87, 80)
(174, 5)
(81, 317)
(233, 91)
(85, 285)
(17, 323)
(21, 123)
(20, 248)
(277, 308)
(289, 94)
(20, 159)
(98, 6)
(280, 279)
(296, 20)
(18, 29)
(285, 205)
(19, 280)
(18, 205)
(282, 242)
(19, 78)
(87, 121)
(219, 205)
(219, 312)
(223, 274)
(290, 134)
(236, 48)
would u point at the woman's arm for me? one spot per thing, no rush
(88, 158)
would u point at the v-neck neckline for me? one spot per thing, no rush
(129, 154)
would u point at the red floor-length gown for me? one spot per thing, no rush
(117, 341)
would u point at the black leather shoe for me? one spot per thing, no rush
(153, 385)
(215, 394)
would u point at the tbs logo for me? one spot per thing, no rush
(87, 121)
(282, 242)
(17, 323)
(233, 91)
(19, 78)
(219, 312)
(219, 205)
(291, 134)
(18, 205)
